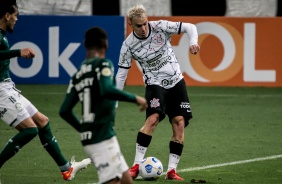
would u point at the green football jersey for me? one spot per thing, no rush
(5, 55)
(94, 86)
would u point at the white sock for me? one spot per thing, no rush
(139, 154)
(173, 162)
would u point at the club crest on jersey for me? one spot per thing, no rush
(19, 106)
(158, 39)
(154, 103)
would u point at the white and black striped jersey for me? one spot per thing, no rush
(154, 54)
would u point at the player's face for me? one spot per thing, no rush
(11, 20)
(140, 26)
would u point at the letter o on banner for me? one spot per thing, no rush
(232, 61)
(34, 68)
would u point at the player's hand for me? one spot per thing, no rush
(141, 102)
(194, 49)
(27, 53)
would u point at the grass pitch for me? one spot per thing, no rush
(234, 138)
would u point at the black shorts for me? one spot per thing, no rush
(172, 102)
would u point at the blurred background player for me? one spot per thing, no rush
(17, 111)
(93, 85)
(166, 93)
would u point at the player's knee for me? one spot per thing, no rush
(40, 119)
(44, 119)
(178, 121)
(153, 119)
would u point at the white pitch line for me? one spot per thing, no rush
(236, 95)
(230, 163)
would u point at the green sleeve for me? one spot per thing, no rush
(108, 88)
(8, 54)
(66, 110)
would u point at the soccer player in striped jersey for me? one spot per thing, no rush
(149, 44)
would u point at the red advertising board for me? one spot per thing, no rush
(234, 52)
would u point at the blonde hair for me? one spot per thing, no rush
(136, 11)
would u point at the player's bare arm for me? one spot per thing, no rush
(194, 49)
(141, 102)
(27, 53)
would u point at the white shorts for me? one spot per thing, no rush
(14, 108)
(108, 159)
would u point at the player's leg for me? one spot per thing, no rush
(179, 113)
(13, 113)
(14, 144)
(175, 146)
(155, 96)
(144, 138)
(126, 178)
(109, 161)
(49, 142)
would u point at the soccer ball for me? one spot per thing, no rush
(150, 168)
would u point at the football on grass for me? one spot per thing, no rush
(150, 168)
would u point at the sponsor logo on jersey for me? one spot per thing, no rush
(157, 64)
(185, 105)
(165, 82)
(106, 72)
(3, 112)
(155, 58)
(102, 166)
